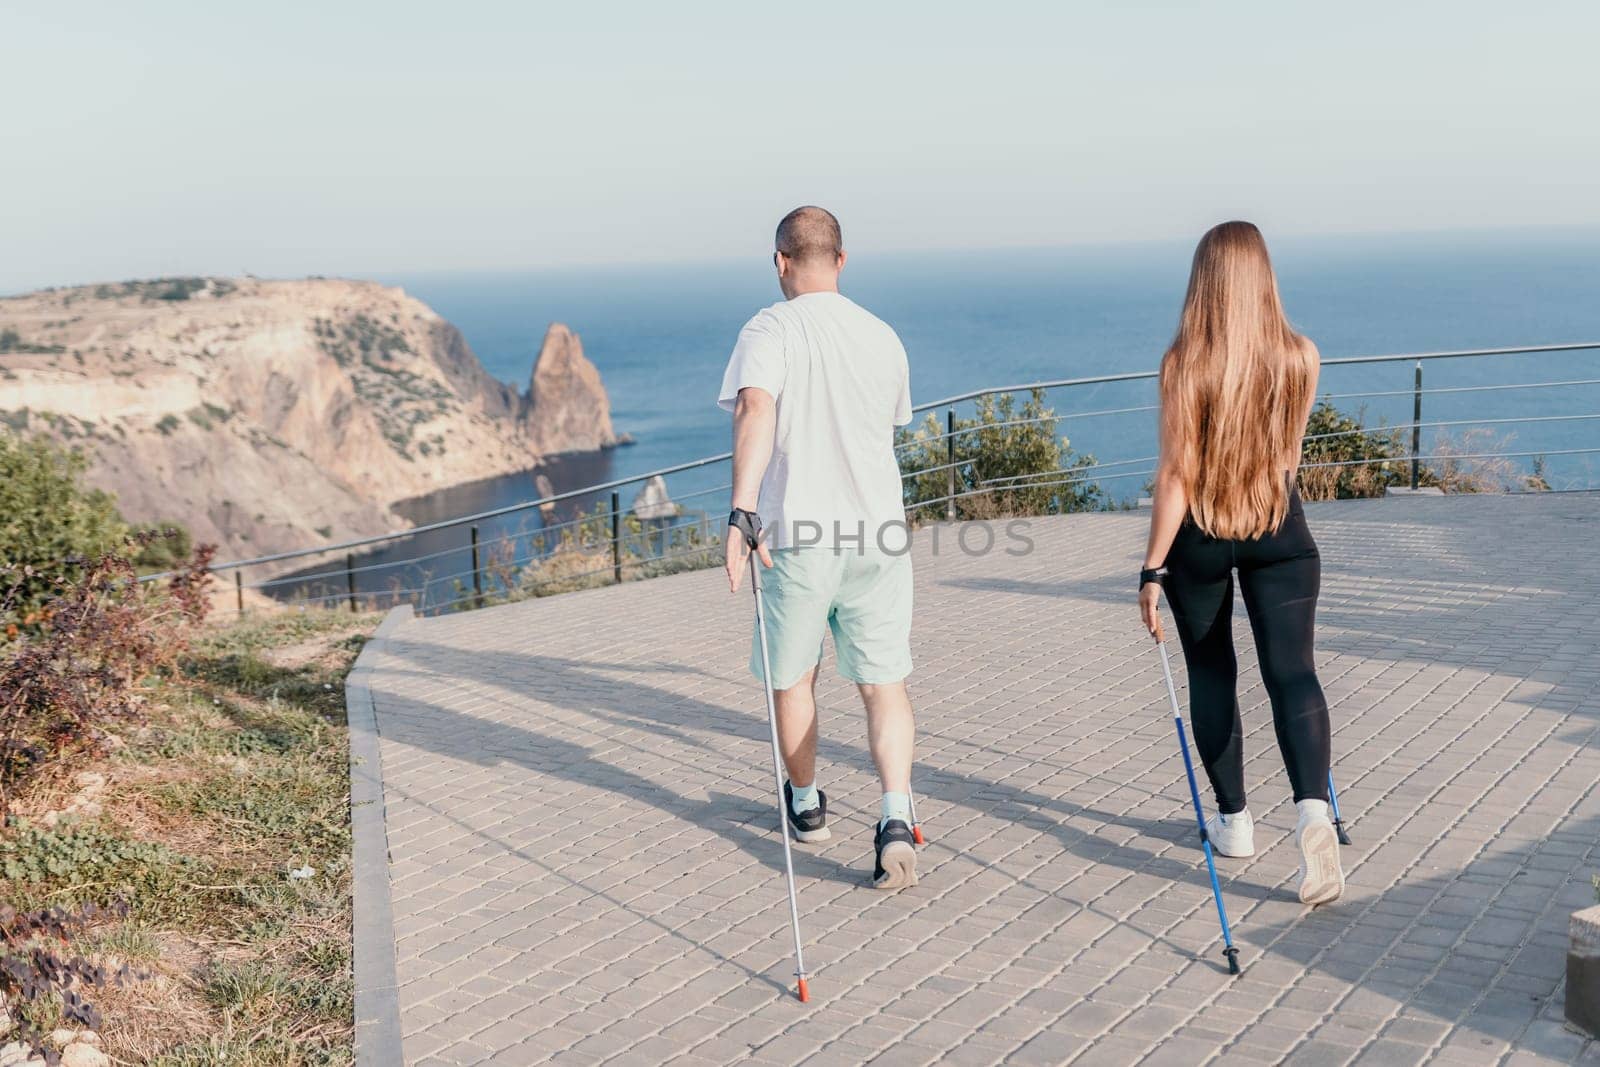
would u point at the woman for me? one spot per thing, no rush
(1237, 387)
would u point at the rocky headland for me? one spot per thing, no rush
(274, 415)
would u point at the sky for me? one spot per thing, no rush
(360, 138)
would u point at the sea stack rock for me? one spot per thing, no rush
(545, 488)
(652, 502)
(566, 409)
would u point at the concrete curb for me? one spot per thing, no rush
(377, 988)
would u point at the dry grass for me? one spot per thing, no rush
(1363, 480)
(1485, 474)
(239, 776)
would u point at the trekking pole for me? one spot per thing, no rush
(1194, 795)
(916, 827)
(777, 768)
(1333, 802)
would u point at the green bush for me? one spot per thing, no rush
(1014, 449)
(163, 546)
(1334, 437)
(11, 341)
(48, 517)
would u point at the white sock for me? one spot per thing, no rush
(895, 806)
(804, 797)
(1312, 810)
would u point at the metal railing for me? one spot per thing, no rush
(611, 536)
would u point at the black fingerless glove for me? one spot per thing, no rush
(747, 523)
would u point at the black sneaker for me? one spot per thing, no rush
(897, 857)
(810, 825)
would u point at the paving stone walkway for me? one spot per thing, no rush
(584, 867)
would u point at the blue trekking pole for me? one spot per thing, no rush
(1194, 795)
(1333, 802)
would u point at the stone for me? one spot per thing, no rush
(652, 501)
(83, 1054)
(543, 486)
(1583, 970)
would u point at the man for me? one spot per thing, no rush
(817, 385)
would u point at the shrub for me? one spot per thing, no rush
(1466, 464)
(578, 554)
(1340, 441)
(162, 546)
(11, 341)
(1032, 472)
(48, 519)
(97, 641)
(1337, 444)
(41, 984)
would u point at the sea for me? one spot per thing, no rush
(660, 336)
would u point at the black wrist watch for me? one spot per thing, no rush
(747, 523)
(1152, 574)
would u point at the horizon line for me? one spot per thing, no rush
(1573, 229)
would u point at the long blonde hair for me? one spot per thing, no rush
(1235, 387)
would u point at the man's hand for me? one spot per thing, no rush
(739, 554)
(1150, 610)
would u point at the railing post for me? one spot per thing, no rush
(350, 577)
(1416, 428)
(950, 458)
(477, 571)
(616, 536)
(238, 589)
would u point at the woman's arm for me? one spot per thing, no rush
(1305, 416)
(1170, 506)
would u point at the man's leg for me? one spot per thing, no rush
(797, 591)
(797, 729)
(891, 734)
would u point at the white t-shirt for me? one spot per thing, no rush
(842, 383)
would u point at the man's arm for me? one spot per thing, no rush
(755, 424)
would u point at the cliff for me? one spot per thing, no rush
(272, 415)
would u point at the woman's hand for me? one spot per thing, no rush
(1149, 609)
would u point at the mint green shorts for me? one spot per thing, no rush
(863, 597)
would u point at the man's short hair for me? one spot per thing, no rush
(810, 234)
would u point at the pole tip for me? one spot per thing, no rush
(803, 991)
(1233, 959)
(1344, 838)
(916, 835)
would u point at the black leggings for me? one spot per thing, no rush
(1279, 575)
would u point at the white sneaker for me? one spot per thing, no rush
(1232, 835)
(1321, 877)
